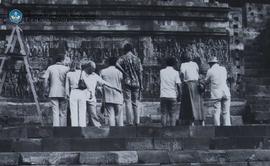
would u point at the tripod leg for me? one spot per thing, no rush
(31, 82)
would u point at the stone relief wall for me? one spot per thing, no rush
(151, 49)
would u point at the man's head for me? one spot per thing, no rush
(59, 57)
(128, 48)
(112, 61)
(89, 67)
(170, 61)
(212, 61)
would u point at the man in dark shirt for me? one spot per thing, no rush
(131, 67)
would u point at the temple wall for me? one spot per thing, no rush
(97, 30)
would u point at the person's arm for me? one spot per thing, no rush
(67, 86)
(178, 85)
(46, 77)
(207, 78)
(107, 84)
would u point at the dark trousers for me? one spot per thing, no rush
(168, 111)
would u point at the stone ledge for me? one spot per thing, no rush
(210, 158)
(119, 2)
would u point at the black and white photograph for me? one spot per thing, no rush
(135, 82)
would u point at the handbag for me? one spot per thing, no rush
(81, 83)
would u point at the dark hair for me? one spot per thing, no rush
(170, 61)
(59, 57)
(127, 47)
(112, 61)
(185, 58)
(75, 65)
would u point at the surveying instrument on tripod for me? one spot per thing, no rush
(15, 17)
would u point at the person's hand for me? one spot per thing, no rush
(178, 98)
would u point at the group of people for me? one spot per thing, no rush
(121, 83)
(188, 86)
(121, 86)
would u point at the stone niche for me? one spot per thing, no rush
(98, 31)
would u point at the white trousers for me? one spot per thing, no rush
(59, 108)
(77, 103)
(222, 107)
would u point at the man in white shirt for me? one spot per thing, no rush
(92, 80)
(217, 76)
(54, 80)
(113, 99)
(169, 92)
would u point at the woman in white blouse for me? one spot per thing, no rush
(77, 97)
(191, 101)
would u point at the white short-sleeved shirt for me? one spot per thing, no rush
(114, 76)
(91, 81)
(190, 70)
(56, 75)
(169, 78)
(217, 75)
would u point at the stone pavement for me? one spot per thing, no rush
(182, 145)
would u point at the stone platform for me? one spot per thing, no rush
(182, 146)
(17, 114)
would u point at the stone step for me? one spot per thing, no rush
(134, 132)
(184, 158)
(146, 138)
(116, 144)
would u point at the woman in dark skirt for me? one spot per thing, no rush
(191, 110)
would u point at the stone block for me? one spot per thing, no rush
(217, 156)
(202, 131)
(99, 144)
(101, 158)
(240, 131)
(196, 143)
(49, 158)
(9, 159)
(161, 157)
(5, 145)
(13, 132)
(95, 132)
(174, 132)
(67, 132)
(183, 157)
(170, 144)
(26, 145)
(54, 144)
(139, 144)
(123, 132)
(148, 131)
(39, 132)
(237, 143)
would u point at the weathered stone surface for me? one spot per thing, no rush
(26, 145)
(121, 157)
(9, 159)
(169, 144)
(139, 144)
(39, 132)
(183, 157)
(161, 157)
(67, 132)
(49, 158)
